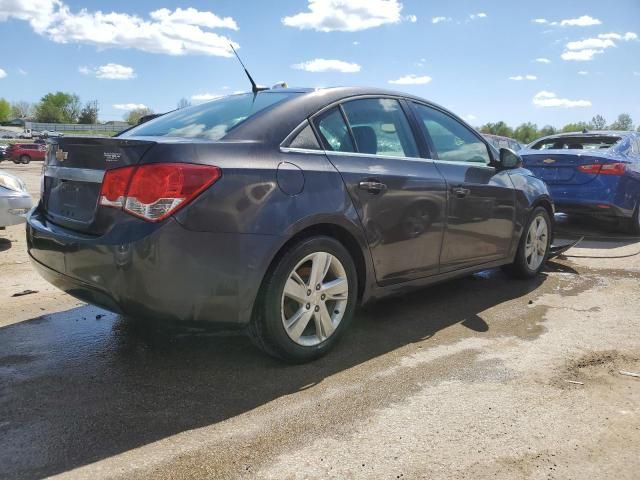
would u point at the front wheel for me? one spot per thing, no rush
(25, 159)
(533, 249)
(307, 300)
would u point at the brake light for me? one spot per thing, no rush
(155, 191)
(604, 168)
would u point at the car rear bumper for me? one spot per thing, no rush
(596, 199)
(14, 207)
(169, 275)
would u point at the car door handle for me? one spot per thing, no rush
(372, 186)
(460, 192)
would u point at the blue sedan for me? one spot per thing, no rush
(590, 173)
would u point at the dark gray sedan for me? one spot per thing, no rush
(280, 211)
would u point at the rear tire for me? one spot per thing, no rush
(25, 159)
(307, 300)
(533, 249)
(634, 225)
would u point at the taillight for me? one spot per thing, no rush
(155, 191)
(604, 168)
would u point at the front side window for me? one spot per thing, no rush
(210, 121)
(380, 127)
(334, 131)
(452, 140)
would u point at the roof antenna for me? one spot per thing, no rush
(254, 88)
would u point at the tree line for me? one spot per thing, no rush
(528, 132)
(62, 107)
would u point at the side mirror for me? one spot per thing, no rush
(509, 158)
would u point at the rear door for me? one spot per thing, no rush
(481, 201)
(400, 197)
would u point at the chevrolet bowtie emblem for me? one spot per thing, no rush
(549, 160)
(61, 155)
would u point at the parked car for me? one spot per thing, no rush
(591, 173)
(15, 202)
(499, 142)
(280, 211)
(25, 152)
(51, 134)
(3, 152)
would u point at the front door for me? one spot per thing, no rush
(481, 200)
(400, 198)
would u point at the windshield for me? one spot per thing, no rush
(576, 143)
(211, 120)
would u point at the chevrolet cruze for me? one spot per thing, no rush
(279, 211)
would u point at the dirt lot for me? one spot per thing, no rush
(481, 377)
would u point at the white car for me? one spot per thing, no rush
(15, 202)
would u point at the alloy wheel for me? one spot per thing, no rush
(536, 244)
(314, 299)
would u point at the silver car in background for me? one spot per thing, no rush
(15, 202)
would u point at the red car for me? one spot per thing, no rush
(25, 152)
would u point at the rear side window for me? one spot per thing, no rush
(305, 139)
(209, 121)
(452, 140)
(380, 127)
(334, 131)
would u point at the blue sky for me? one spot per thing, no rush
(477, 58)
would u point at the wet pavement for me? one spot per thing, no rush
(466, 379)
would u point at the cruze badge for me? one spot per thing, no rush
(112, 156)
(61, 155)
(549, 160)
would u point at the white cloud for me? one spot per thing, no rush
(540, 21)
(583, 21)
(587, 48)
(3, 73)
(84, 70)
(435, 20)
(355, 42)
(22, 71)
(129, 106)
(346, 16)
(592, 43)
(178, 32)
(204, 97)
(550, 99)
(543, 60)
(473, 16)
(583, 72)
(323, 65)
(580, 55)
(411, 18)
(113, 71)
(523, 77)
(470, 117)
(411, 80)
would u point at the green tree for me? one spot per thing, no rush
(183, 103)
(134, 115)
(498, 128)
(5, 110)
(59, 107)
(89, 113)
(598, 123)
(623, 122)
(21, 109)
(526, 133)
(547, 130)
(575, 127)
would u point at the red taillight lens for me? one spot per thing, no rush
(604, 168)
(155, 191)
(613, 169)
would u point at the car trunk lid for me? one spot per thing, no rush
(73, 173)
(562, 168)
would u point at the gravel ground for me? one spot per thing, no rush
(481, 377)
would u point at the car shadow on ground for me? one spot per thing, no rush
(84, 384)
(5, 244)
(596, 233)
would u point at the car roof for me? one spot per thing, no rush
(590, 133)
(291, 113)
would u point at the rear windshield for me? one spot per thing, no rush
(576, 143)
(211, 120)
